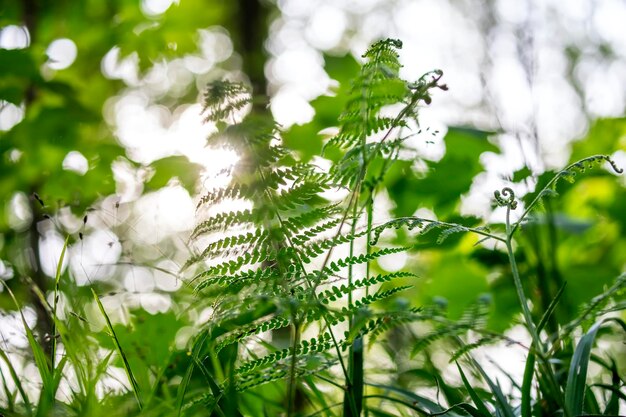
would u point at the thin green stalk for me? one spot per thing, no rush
(57, 279)
(355, 386)
(368, 248)
(351, 250)
(354, 392)
(295, 330)
(412, 406)
(330, 381)
(326, 409)
(127, 368)
(324, 315)
(537, 346)
(355, 366)
(519, 289)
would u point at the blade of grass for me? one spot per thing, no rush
(465, 407)
(216, 390)
(480, 405)
(591, 402)
(427, 406)
(614, 389)
(57, 279)
(129, 372)
(577, 376)
(319, 395)
(41, 361)
(526, 400)
(527, 383)
(18, 383)
(510, 377)
(182, 389)
(612, 405)
(410, 405)
(546, 315)
(326, 410)
(9, 396)
(378, 413)
(503, 405)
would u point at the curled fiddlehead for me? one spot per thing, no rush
(505, 198)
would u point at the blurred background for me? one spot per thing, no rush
(102, 140)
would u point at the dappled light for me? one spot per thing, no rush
(10, 115)
(61, 53)
(14, 37)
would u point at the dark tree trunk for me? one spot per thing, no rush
(252, 24)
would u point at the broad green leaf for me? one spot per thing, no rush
(442, 186)
(174, 167)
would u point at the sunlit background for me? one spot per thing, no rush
(535, 72)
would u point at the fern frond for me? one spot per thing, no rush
(337, 265)
(313, 312)
(298, 195)
(569, 174)
(426, 225)
(249, 276)
(336, 292)
(449, 232)
(392, 320)
(347, 170)
(474, 318)
(233, 265)
(321, 246)
(378, 85)
(236, 191)
(258, 275)
(319, 344)
(313, 232)
(308, 218)
(224, 221)
(469, 347)
(311, 364)
(223, 99)
(219, 246)
(358, 306)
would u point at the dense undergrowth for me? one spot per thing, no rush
(302, 315)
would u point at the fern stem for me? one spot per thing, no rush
(558, 176)
(518, 284)
(352, 232)
(451, 225)
(324, 313)
(295, 335)
(330, 381)
(368, 248)
(310, 286)
(537, 347)
(355, 363)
